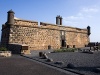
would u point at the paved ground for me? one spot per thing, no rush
(18, 65)
(88, 64)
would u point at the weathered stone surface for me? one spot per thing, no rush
(5, 53)
(40, 39)
(25, 22)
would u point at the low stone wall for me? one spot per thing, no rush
(5, 53)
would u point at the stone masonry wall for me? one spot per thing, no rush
(74, 36)
(5, 35)
(77, 39)
(35, 38)
(40, 37)
(25, 22)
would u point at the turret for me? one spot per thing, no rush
(10, 17)
(88, 30)
(59, 20)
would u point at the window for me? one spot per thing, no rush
(62, 32)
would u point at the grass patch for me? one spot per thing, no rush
(66, 50)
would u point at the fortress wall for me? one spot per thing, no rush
(36, 38)
(40, 37)
(77, 39)
(74, 36)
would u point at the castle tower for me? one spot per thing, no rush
(59, 20)
(10, 18)
(88, 32)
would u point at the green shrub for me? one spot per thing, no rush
(3, 49)
(58, 50)
(99, 47)
(65, 50)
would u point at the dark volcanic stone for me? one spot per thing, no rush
(49, 60)
(45, 56)
(97, 70)
(40, 54)
(70, 66)
(59, 62)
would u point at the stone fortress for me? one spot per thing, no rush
(44, 36)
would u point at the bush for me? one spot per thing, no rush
(99, 47)
(3, 49)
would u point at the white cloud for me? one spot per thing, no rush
(80, 14)
(89, 10)
(67, 22)
(81, 17)
(74, 17)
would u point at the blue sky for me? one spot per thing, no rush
(75, 13)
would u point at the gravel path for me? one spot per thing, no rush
(84, 63)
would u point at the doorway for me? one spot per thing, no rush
(63, 43)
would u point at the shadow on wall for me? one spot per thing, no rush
(15, 48)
